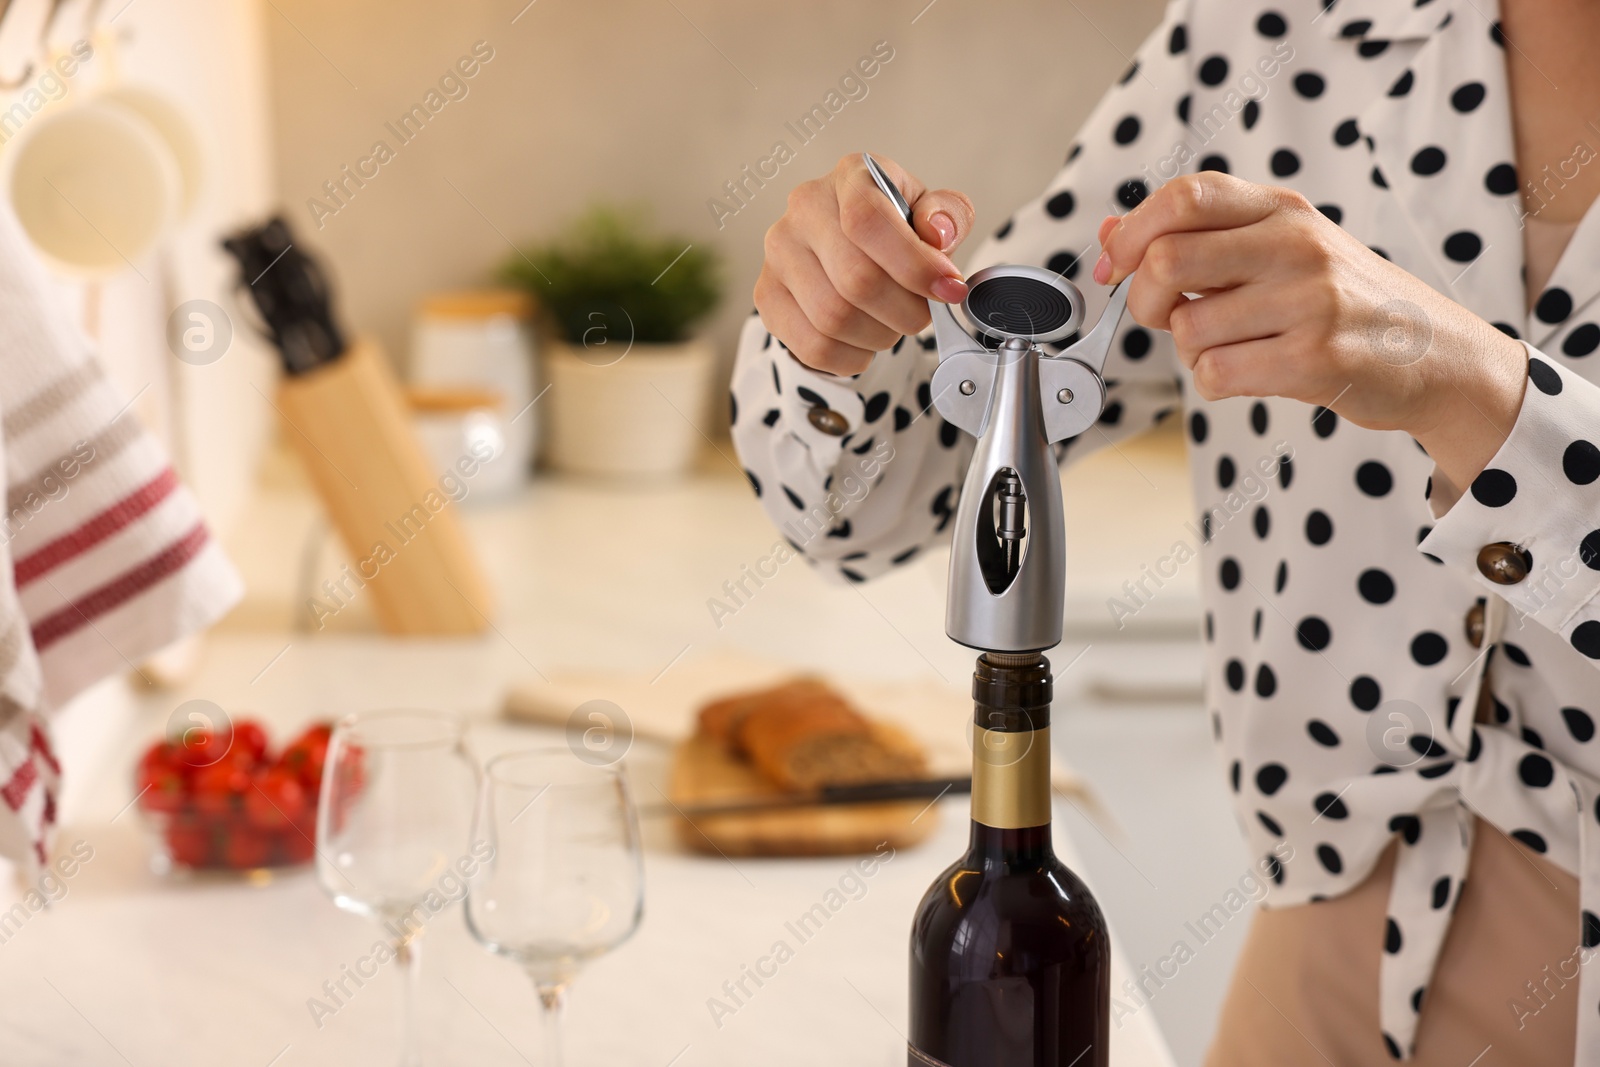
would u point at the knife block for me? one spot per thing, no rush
(348, 422)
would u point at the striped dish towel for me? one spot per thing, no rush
(104, 556)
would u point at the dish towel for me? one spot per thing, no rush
(104, 556)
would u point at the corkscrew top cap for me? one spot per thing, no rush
(1024, 303)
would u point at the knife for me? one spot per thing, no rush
(827, 796)
(291, 294)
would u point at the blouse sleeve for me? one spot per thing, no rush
(861, 472)
(1528, 528)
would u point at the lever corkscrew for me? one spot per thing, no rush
(1007, 585)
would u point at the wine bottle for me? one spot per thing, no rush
(1010, 958)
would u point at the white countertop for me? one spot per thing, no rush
(131, 968)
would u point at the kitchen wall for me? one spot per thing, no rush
(657, 100)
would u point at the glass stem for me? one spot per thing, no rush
(554, 1000)
(408, 957)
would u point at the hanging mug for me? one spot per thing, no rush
(95, 186)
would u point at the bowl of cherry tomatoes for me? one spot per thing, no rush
(221, 799)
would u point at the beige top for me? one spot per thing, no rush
(1542, 244)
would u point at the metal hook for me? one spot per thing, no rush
(52, 12)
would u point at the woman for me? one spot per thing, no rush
(1359, 214)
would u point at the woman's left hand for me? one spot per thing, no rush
(1291, 305)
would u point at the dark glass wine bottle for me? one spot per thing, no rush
(1010, 959)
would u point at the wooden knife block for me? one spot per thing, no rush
(348, 422)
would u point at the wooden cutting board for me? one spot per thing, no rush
(663, 709)
(703, 772)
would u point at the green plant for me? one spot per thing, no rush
(607, 271)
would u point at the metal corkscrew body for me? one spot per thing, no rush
(1007, 585)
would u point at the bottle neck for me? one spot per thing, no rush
(1011, 760)
(991, 847)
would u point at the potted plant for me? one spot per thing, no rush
(628, 383)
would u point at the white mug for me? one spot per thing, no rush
(173, 125)
(95, 186)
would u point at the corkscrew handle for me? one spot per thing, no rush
(889, 188)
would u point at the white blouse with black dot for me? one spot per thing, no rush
(1350, 620)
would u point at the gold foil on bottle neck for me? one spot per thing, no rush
(1010, 778)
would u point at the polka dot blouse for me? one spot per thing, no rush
(1354, 616)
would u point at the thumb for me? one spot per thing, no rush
(942, 218)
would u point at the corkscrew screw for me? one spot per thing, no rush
(1007, 586)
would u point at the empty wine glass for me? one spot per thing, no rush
(563, 882)
(395, 811)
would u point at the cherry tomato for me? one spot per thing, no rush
(307, 753)
(276, 799)
(306, 823)
(189, 843)
(249, 739)
(220, 788)
(296, 845)
(295, 759)
(245, 848)
(160, 782)
(241, 758)
(162, 754)
(161, 790)
(159, 754)
(318, 733)
(199, 747)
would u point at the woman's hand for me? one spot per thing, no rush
(1291, 305)
(842, 277)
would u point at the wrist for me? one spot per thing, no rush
(1476, 396)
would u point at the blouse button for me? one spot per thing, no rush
(1474, 625)
(828, 421)
(1502, 563)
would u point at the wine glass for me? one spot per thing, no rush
(563, 882)
(395, 810)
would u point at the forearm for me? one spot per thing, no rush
(1475, 398)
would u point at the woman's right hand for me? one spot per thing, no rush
(843, 280)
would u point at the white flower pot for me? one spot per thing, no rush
(638, 416)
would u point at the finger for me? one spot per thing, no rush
(1204, 261)
(1152, 306)
(1231, 317)
(852, 167)
(781, 315)
(871, 222)
(827, 308)
(868, 286)
(1107, 224)
(851, 163)
(1209, 200)
(942, 218)
(1247, 368)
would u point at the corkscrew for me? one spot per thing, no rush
(1007, 585)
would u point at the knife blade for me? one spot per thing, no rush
(827, 796)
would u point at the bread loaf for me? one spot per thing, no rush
(804, 735)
